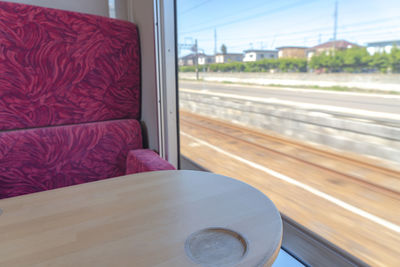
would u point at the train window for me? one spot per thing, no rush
(300, 99)
(111, 8)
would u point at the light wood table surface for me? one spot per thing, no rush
(147, 219)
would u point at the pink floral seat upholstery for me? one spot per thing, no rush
(69, 99)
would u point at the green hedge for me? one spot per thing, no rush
(357, 60)
(187, 68)
(265, 65)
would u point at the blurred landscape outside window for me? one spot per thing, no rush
(300, 99)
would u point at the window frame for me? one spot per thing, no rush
(167, 79)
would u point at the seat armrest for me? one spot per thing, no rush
(145, 160)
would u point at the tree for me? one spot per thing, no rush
(224, 49)
(355, 59)
(380, 62)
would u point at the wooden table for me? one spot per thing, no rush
(147, 219)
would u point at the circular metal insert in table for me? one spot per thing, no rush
(216, 247)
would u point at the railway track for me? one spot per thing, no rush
(351, 201)
(242, 134)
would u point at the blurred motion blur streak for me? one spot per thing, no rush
(360, 212)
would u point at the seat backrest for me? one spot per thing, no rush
(59, 67)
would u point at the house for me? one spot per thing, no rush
(206, 59)
(188, 60)
(380, 47)
(254, 55)
(229, 57)
(327, 47)
(292, 52)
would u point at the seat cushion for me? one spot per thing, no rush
(59, 67)
(46, 158)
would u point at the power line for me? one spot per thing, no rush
(358, 33)
(355, 33)
(194, 7)
(276, 10)
(315, 18)
(317, 30)
(222, 16)
(314, 39)
(344, 26)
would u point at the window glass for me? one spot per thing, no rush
(111, 8)
(315, 124)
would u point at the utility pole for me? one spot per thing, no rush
(335, 17)
(215, 41)
(197, 59)
(273, 42)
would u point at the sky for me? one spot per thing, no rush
(267, 24)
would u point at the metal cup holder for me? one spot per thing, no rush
(216, 247)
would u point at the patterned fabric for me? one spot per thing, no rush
(144, 160)
(45, 158)
(59, 67)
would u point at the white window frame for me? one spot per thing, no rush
(166, 72)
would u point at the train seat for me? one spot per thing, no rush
(69, 100)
